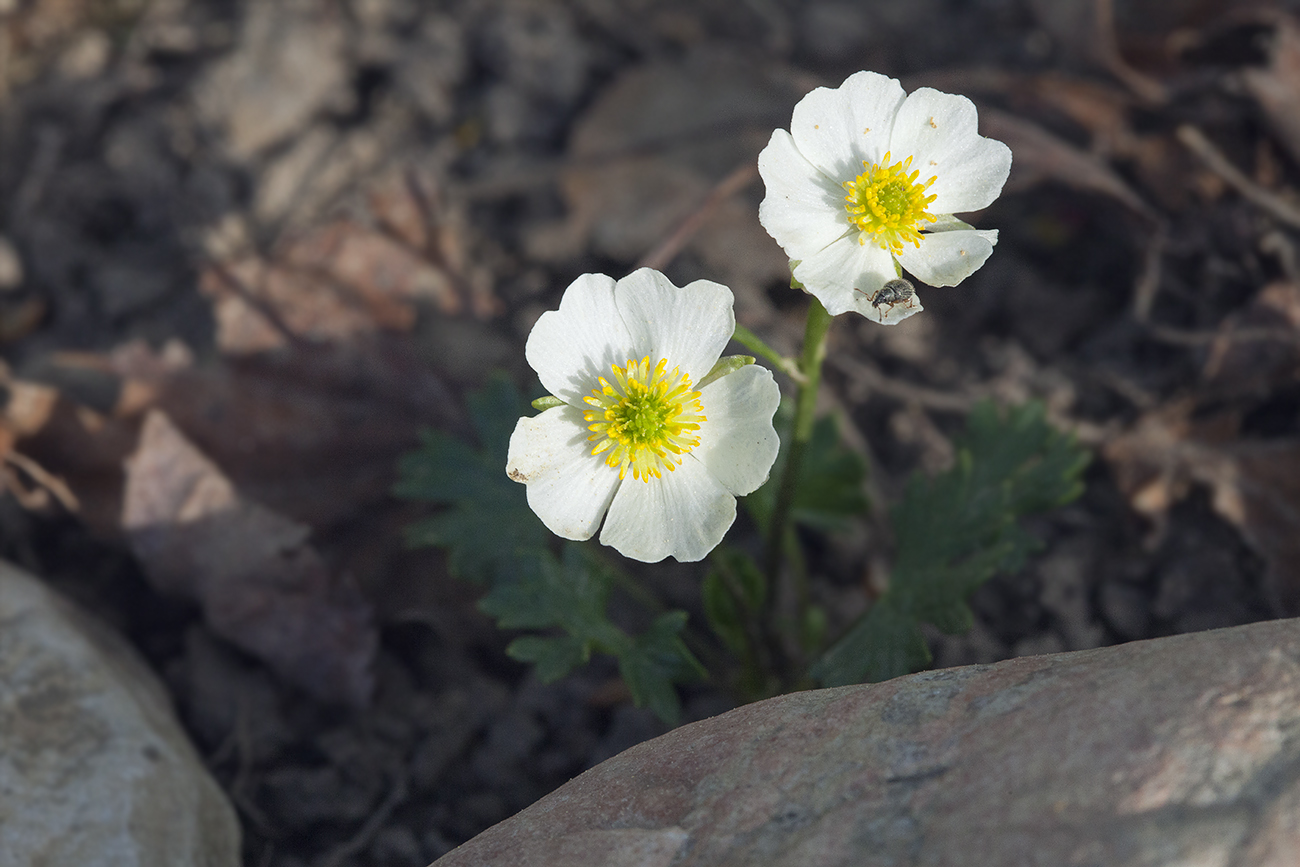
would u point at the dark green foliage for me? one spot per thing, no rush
(829, 493)
(954, 532)
(733, 593)
(493, 538)
(486, 526)
(656, 660)
(883, 644)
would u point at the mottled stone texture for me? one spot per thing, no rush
(94, 769)
(1181, 750)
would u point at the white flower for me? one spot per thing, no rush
(907, 164)
(643, 433)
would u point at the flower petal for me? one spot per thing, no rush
(683, 515)
(571, 346)
(803, 210)
(888, 313)
(568, 487)
(839, 275)
(688, 326)
(939, 131)
(836, 130)
(947, 258)
(738, 443)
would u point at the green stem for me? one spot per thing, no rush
(810, 366)
(755, 344)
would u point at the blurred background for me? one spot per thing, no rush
(257, 246)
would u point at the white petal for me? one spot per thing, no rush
(688, 326)
(568, 487)
(842, 273)
(947, 258)
(738, 443)
(836, 130)
(571, 346)
(683, 515)
(803, 210)
(939, 131)
(888, 313)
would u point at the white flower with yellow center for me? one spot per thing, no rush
(868, 176)
(651, 432)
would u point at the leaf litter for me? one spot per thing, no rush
(288, 433)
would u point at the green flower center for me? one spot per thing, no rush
(645, 420)
(888, 205)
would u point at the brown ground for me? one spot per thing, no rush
(256, 246)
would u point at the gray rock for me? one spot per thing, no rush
(94, 770)
(1178, 750)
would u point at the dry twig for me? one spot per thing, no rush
(668, 249)
(1275, 206)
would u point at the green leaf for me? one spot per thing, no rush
(742, 576)
(733, 592)
(552, 656)
(546, 593)
(829, 491)
(486, 524)
(723, 613)
(883, 644)
(656, 661)
(813, 635)
(957, 530)
(492, 537)
(571, 596)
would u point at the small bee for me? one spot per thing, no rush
(896, 291)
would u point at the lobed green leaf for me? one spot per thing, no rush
(954, 532)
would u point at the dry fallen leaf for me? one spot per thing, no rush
(1254, 484)
(80, 448)
(313, 431)
(1257, 348)
(349, 277)
(1277, 88)
(259, 582)
(653, 145)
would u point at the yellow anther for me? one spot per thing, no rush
(888, 204)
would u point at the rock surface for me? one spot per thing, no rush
(94, 769)
(1180, 750)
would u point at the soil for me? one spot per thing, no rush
(145, 146)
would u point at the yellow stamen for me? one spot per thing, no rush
(645, 420)
(888, 205)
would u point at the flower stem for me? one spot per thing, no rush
(755, 344)
(810, 366)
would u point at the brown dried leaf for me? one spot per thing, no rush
(650, 149)
(409, 208)
(1258, 348)
(335, 283)
(313, 431)
(1255, 485)
(1277, 88)
(258, 580)
(79, 449)
(349, 278)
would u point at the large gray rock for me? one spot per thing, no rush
(1176, 751)
(94, 769)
